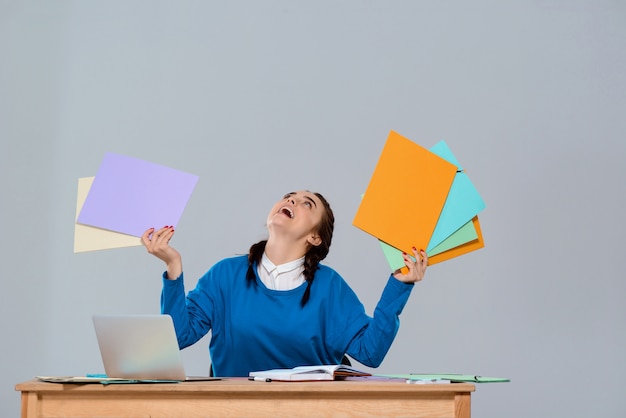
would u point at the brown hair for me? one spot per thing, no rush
(313, 256)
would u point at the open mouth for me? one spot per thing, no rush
(286, 211)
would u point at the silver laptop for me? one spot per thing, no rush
(140, 347)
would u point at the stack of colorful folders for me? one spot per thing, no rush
(420, 198)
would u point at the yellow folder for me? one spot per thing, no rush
(91, 238)
(405, 195)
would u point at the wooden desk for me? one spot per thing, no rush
(243, 398)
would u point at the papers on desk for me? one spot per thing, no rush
(428, 381)
(422, 198)
(451, 377)
(105, 380)
(115, 207)
(97, 379)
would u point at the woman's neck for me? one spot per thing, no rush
(281, 252)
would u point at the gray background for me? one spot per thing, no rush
(262, 97)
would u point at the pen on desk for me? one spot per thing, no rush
(260, 379)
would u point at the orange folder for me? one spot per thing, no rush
(405, 195)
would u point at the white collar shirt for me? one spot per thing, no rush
(282, 277)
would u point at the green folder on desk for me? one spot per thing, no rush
(452, 377)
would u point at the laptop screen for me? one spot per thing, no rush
(142, 347)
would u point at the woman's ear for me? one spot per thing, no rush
(314, 240)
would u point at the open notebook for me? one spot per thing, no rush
(135, 348)
(307, 373)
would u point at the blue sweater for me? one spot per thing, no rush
(255, 328)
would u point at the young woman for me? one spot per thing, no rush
(278, 307)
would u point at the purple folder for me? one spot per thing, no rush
(129, 195)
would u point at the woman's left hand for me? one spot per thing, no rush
(417, 267)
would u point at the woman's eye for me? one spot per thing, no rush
(308, 204)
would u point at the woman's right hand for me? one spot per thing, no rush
(157, 244)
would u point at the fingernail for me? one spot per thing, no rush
(414, 249)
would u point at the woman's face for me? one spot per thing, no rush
(298, 216)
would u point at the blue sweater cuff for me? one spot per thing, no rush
(168, 282)
(396, 294)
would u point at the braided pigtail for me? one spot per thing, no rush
(311, 264)
(317, 253)
(255, 255)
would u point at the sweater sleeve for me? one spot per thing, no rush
(190, 321)
(372, 342)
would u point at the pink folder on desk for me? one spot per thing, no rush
(405, 195)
